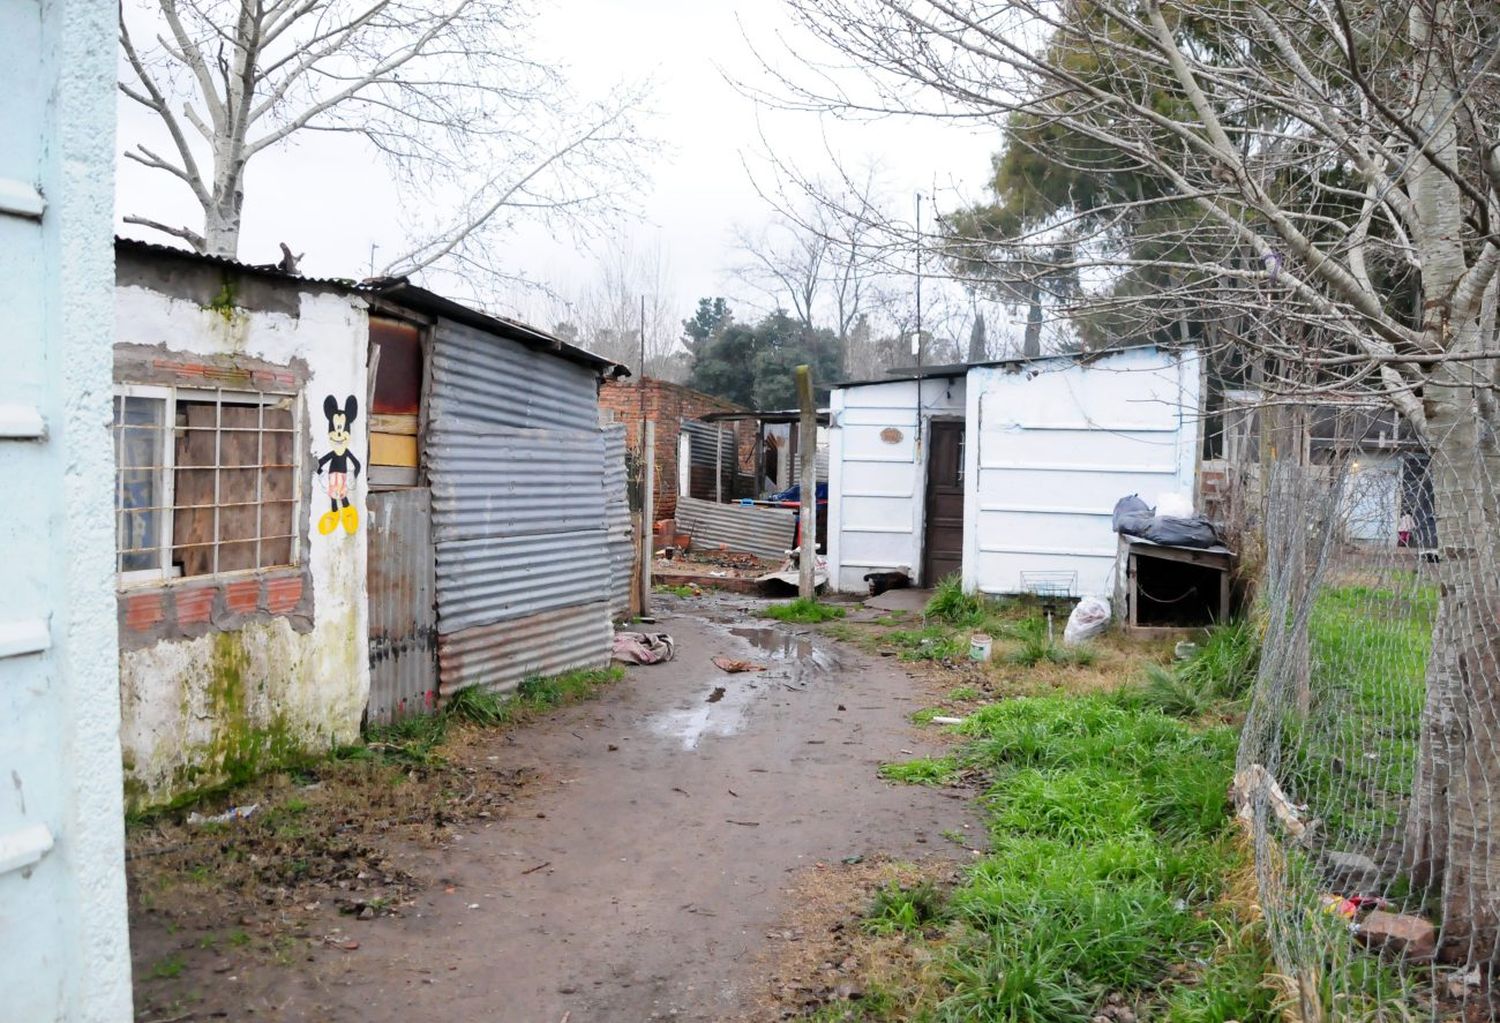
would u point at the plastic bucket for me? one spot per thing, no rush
(979, 647)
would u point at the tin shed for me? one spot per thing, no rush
(525, 559)
(1007, 471)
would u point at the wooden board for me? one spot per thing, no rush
(405, 425)
(393, 449)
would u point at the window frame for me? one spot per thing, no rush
(166, 572)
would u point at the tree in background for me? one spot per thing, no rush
(754, 364)
(711, 317)
(449, 93)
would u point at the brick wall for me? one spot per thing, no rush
(668, 404)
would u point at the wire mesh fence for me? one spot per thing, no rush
(1369, 768)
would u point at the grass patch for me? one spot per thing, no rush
(168, 968)
(898, 907)
(933, 643)
(1036, 647)
(920, 771)
(681, 590)
(949, 603)
(416, 740)
(804, 611)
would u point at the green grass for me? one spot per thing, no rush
(415, 740)
(1037, 648)
(804, 611)
(932, 643)
(919, 771)
(898, 907)
(949, 603)
(168, 968)
(964, 694)
(1110, 847)
(680, 590)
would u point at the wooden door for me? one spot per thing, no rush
(943, 539)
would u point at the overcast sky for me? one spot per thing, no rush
(326, 197)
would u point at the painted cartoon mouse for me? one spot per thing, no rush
(337, 462)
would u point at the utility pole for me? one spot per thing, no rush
(807, 514)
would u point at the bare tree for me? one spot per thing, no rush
(607, 313)
(446, 91)
(1316, 181)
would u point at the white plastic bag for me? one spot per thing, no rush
(1089, 619)
(1174, 505)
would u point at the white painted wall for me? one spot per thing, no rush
(1054, 444)
(876, 482)
(64, 951)
(309, 688)
(1371, 504)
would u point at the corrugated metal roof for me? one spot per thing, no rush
(749, 529)
(404, 293)
(134, 246)
(958, 369)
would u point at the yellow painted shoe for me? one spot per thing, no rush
(351, 519)
(328, 523)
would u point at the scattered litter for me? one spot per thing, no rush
(1254, 784)
(347, 944)
(1185, 650)
(716, 695)
(733, 666)
(743, 824)
(980, 645)
(683, 791)
(947, 721)
(733, 793)
(234, 813)
(533, 870)
(852, 860)
(643, 647)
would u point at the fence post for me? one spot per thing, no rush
(807, 516)
(648, 512)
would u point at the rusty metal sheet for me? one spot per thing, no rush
(403, 617)
(749, 529)
(487, 380)
(501, 655)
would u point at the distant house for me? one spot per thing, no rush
(339, 503)
(670, 406)
(1006, 472)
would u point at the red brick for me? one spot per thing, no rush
(144, 610)
(195, 606)
(242, 597)
(283, 593)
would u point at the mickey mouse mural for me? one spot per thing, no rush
(338, 463)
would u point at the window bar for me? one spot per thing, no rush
(168, 523)
(260, 471)
(218, 458)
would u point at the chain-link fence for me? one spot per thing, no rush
(1372, 740)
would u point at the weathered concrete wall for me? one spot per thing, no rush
(224, 676)
(64, 952)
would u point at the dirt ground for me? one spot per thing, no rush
(651, 854)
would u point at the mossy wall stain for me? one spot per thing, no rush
(248, 701)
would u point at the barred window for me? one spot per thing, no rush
(205, 481)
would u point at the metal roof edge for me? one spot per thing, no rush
(953, 370)
(411, 296)
(136, 246)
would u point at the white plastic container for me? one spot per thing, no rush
(980, 646)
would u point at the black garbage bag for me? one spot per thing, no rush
(1173, 532)
(1132, 516)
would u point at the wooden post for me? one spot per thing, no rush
(648, 512)
(808, 514)
(718, 463)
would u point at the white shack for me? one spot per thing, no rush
(1007, 472)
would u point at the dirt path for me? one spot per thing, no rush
(636, 880)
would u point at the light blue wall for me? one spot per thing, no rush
(63, 944)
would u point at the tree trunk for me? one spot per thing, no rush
(1031, 345)
(1448, 852)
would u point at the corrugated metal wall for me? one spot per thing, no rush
(617, 521)
(517, 463)
(403, 619)
(767, 532)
